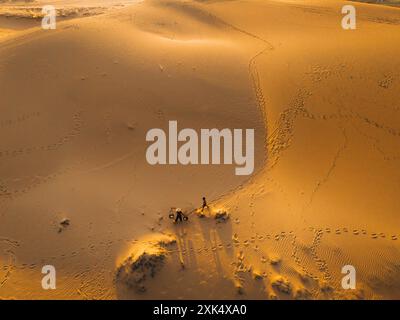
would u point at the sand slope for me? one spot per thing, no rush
(78, 101)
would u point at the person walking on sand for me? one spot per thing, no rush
(205, 205)
(179, 215)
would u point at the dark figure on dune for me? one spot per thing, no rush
(179, 215)
(205, 205)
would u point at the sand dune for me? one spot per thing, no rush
(77, 103)
(394, 3)
(21, 15)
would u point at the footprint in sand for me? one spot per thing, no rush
(240, 256)
(355, 232)
(394, 237)
(374, 235)
(337, 231)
